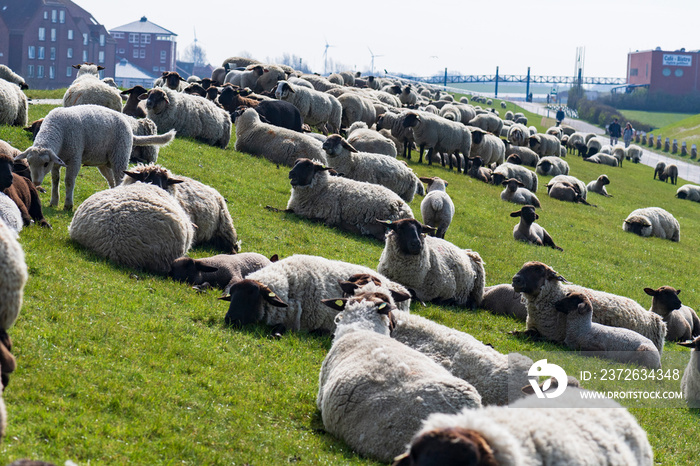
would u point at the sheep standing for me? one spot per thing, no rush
(530, 232)
(435, 269)
(356, 108)
(489, 147)
(437, 208)
(374, 391)
(653, 221)
(690, 383)
(13, 277)
(598, 186)
(439, 135)
(317, 108)
(394, 123)
(516, 193)
(635, 153)
(13, 105)
(670, 173)
(681, 321)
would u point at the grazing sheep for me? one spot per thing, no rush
(681, 321)
(189, 115)
(89, 89)
(593, 146)
(690, 383)
(619, 152)
(13, 105)
(525, 155)
(350, 205)
(576, 142)
(8, 75)
(516, 193)
(505, 171)
(437, 208)
(504, 300)
(653, 221)
(618, 344)
(634, 153)
(84, 135)
(10, 214)
(487, 146)
(34, 127)
(605, 149)
(317, 108)
(545, 145)
(220, 271)
(541, 287)
(288, 294)
(555, 131)
(689, 191)
(19, 189)
(603, 159)
(278, 145)
(598, 186)
(368, 140)
(436, 270)
(488, 122)
(13, 277)
(530, 232)
(372, 168)
(134, 106)
(670, 172)
(206, 208)
(138, 226)
(659, 170)
(439, 135)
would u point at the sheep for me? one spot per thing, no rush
(619, 152)
(368, 140)
(10, 214)
(372, 168)
(475, 169)
(653, 221)
(525, 155)
(634, 153)
(408, 97)
(19, 189)
(437, 208)
(394, 123)
(552, 166)
(348, 78)
(593, 146)
(206, 208)
(518, 135)
(598, 186)
(505, 171)
(690, 383)
(603, 159)
(13, 277)
(84, 135)
(545, 145)
(487, 146)
(578, 185)
(439, 135)
(34, 127)
(689, 191)
(659, 170)
(13, 105)
(134, 107)
(487, 122)
(138, 226)
(220, 271)
(89, 89)
(373, 390)
(576, 142)
(529, 231)
(555, 131)
(435, 269)
(533, 432)
(280, 113)
(231, 98)
(10, 76)
(356, 108)
(504, 300)
(567, 191)
(670, 172)
(143, 127)
(605, 149)
(288, 294)
(681, 321)
(618, 344)
(541, 287)
(516, 193)
(279, 145)
(171, 80)
(317, 108)
(351, 205)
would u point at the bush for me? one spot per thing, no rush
(642, 99)
(598, 113)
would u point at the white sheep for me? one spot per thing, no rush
(521, 155)
(89, 135)
(690, 383)
(13, 277)
(356, 108)
(518, 135)
(598, 186)
(603, 159)
(541, 287)
(89, 89)
(634, 153)
(552, 166)
(516, 193)
(350, 205)
(8, 75)
(10, 214)
(690, 192)
(488, 122)
(435, 269)
(545, 145)
(394, 123)
(555, 131)
(619, 152)
(529, 231)
(653, 221)
(317, 108)
(568, 188)
(13, 105)
(618, 344)
(205, 206)
(374, 392)
(438, 134)
(139, 226)
(509, 170)
(681, 321)
(288, 294)
(190, 115)
(490, 148)
(372, 168)
(437, 208)
(408, 96)
(593, 146)
(364, 139)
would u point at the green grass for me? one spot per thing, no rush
(120, 366)
(655, 119)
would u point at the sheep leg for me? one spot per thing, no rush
(420, 156)
(55, 180)
(531, 334)
(108, 175)
(35, 210)
(406, 149)
(71, 175)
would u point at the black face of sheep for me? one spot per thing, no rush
(638, 226)
(410, 234)
(514, 159)
(574, 302)
(34, 127)
(410, 120)
(7, 361)
(477, 137)
(604, 179)
(357, 281)
(195, 89)
(532, 276)
(212, 92)
(136, 90)
(499, 179)
(302, 174)
(188, 270)
(527, 213)
(665, 298)
(172, 79)
(6, 164)
(246, 302)
(335, 143)
(156, 100)
(453, 446)
(155, 177)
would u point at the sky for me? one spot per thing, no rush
(423, 38)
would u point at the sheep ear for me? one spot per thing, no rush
(384, 309)
(21, 156)
(515, 214)
(552, 275)
(687, 343)
(138, 176)
(347, 146)
(678, 292)
(388, 223)
(400, 296)
(348, 287)
(528, 390)
(205, 268)
(650, 291)
(270, 296)
(100, 68)
(274, 258)
(402, 460)
(537, 217)
(428, 229)
(55, 159)
(582, 308)
(225, 298)
(77, 67)
(338, 304)
(425, 179)
(143, 96)
(172, 181)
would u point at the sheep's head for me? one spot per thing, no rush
(188, 270)
(533, 276)
(34, 127)
(7, 361)
(172, 79)
(136, 91)
(527, 213)
(664, 299)
(534, 143)
(212, 92)
(411, 119)
(283, 90)
(303, 172)
(434, 183)
(695, 346)
(356, 283)
(478, 136)
(574, 302)
(448, 446)
(157, 100)
(88, 68)
(603, 179)
(511, 184)
(153, 174)
(545, 166)
(638, 225)
(40, 161)
(335, 145)
(409, 234)
(514, 159)
(195, 89)
(246, 302)
(368, 309)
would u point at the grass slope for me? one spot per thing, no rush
(119, 366)
(655, 119)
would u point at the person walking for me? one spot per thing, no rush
(615, 131)
(627, 134)
(560, 115)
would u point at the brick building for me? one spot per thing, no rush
(675, 72)
(146, 45)
(42, 39)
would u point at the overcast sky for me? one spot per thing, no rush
(423, 38)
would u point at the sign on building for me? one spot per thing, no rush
(677, 60)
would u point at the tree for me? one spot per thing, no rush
(196, 54)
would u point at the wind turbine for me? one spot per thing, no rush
(373, 57)
(325, 57)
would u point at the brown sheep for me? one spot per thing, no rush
(232, 98)
(18, 188)
(34, 127)
(682, 322)
(134, 107)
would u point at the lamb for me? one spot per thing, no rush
(487, 146)
(488, 122)
(525, 155)
(603, 159)
(541, 287)
(19, 189)
(189, 115)
(437, 208)
(356, 108)
(518, 135)
(539, 432)
(690, 383)
(635, 153)
(288, 294)
(372, 168)
(552, 166)
(681, 321)
(351, 205)
(653, 221)
(134, 107)
(373, 390)
(317, 108)
(618, 344)
(659, 170)
(598, 186)
(10, 214)
(13, 277)
(475, 169)
(13, 105)
(530, 232)
(138, 226)
(89, 89)
(84, 135)
(689, 191)
(545, 145)
(221, 271)
(516, 193)
(504, 300)
(436, 270)
(367, 140)
(438, 134)
(10, 76)
(206, 208)
(505, 171)
(279, 145)
(670, 172)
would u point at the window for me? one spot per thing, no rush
(121, 51)
(163, 56)
(634, 71)
(31, 52)
(52, 53)
(162, 68)
(133, 38)
(70, 34)
(136, 53)
(69, 71)
(46, 15)
(145, 38)
(164, 37)
(53, 35)
(40, 55)
(69, 52)
(102, 40)
(118, 35)
(155, 68)
(40, 71)
(85, 56)
(678, 73)
(101, 57)
(85, 38)
(54, 16)
(42, 33)
(52, 72)
(30, 71)
(62, 16)
(142, 53)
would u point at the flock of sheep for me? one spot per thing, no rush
(394, 386)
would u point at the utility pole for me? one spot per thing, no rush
(495, 93)
(527, 89)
